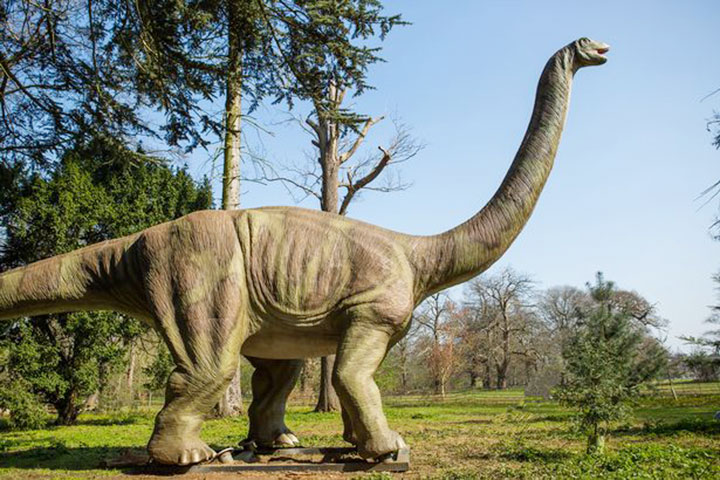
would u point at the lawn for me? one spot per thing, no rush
(466, 435)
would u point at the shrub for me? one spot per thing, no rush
(26, 412)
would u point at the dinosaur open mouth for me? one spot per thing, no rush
(602, 51)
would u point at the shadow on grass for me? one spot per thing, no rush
(478, 421)
(98, 422)
(110, 421)
(60, 457)
(454, 404)
(704, 426)
(532, 454)
(524, 453)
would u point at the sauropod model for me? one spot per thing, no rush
(280, 284)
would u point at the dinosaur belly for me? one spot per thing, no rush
(282, 346)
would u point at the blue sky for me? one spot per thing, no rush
(634, 156)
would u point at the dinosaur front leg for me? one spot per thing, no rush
(272, 382)
(360, 353)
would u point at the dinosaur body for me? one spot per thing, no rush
(278, 284)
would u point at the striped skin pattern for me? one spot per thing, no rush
(280, 284)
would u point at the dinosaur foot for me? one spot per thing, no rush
(286, 440)
(176, 451)
(380, 446)
(283, 440)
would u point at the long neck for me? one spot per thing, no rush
(469, 249)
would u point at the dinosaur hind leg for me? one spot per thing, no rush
(188, 398)
(207, 356)
(272, 382)
(193, 274)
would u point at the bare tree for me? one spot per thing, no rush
(338, 170)
(503, 303)
(632, 303)
(474, 348)
(440, 320)
(404, 349)
(560, 309)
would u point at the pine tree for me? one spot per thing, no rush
(705, 361)
(608, 356)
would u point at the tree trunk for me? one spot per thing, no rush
(103, 381)
(502, 367)
(501, 377)
(528, 372)
(328, 400)
(303, 378)
(473, 380)
(403, 378)
(596, 442)
(233, 113)
(130, 376)
(67, 408)
(231, 403)
(487, 378)
(672, 388)
(501, 383)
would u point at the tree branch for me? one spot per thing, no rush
(308, 191)
(353, 188)
(344, 157)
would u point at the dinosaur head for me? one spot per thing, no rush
(589, 52)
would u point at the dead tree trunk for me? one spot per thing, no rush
(328, 138)
(329, 129)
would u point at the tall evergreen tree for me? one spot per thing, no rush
(713, 126)
(706, 360)
(72, 71)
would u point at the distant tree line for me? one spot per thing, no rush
(505, 332)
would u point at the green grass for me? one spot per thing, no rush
(466, 435)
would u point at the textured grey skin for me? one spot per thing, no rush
(278, 284)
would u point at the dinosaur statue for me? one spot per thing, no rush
(279, 284)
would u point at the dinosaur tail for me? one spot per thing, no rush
(98, 277)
